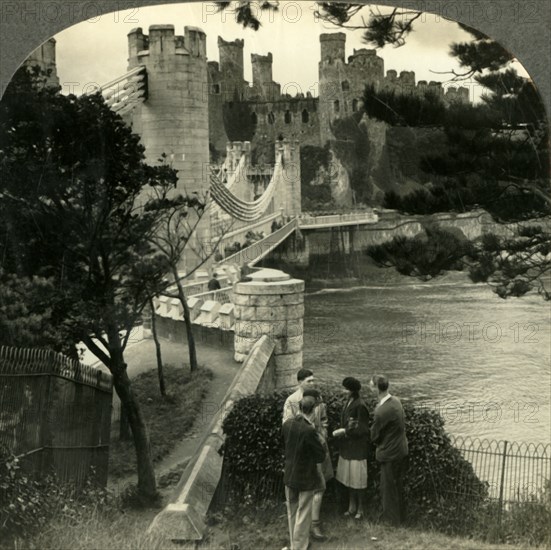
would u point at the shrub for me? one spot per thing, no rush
(29, 502)
(441, 487)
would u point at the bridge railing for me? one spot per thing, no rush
(222, 296)
(256, 251)
(336, 219)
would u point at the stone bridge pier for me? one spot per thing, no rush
(271, 304)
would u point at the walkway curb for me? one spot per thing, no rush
(184, 518)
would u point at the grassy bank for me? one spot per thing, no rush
(126, 530)
(268, 529)
(168, 418)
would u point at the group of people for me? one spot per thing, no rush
(308, 465)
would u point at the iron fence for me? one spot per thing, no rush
(517, 507)
(55, 414)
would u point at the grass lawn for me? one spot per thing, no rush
(267, 529)
(168, 418)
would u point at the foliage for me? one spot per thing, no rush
(399, 108)
(314, 165)
(424, 256)
(238, 120)
(72, 214)
(514, 265)
(352, 148)
(28, 502)
(440, 483)
(168, 418)
(73, 173)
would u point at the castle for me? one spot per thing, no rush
(304, 117)
(183, 116)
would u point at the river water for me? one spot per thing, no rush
(483, 362)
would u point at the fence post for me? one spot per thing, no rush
(501, 487)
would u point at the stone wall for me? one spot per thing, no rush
(174, 119)
(183, 519)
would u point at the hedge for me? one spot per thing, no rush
(441, 488)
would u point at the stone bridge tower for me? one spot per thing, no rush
(44, 57)
(175, 117)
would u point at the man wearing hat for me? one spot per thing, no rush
(388, 432)
(303, 451)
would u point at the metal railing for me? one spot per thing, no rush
(256, 251)
(337, 219)
(222, 296)
(515, 472)
(516, 508)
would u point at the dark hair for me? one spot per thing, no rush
(302, 374)
(311, 392)
(353, 385)
(380, 381)
(307, 404)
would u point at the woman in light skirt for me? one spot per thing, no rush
(353, 438)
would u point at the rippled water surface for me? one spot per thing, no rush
(482, 361)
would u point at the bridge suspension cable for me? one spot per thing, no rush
(239, 208)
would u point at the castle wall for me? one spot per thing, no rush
(217, 132)
(174, 119)
(288, 118)
(44, 57)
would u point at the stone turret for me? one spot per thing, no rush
(44, 57)
(174, 119)
(264, 86)
(231, 68)
(332, 47)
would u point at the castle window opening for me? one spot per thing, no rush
(336, 106)
(305, 116)
(254, 118)
(271, 118)
(288, 117)
(216, 88)
(354, 105)
(345, 85)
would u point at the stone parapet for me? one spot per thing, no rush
(183, 519)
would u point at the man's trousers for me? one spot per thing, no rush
(392, 491)
(299, 515)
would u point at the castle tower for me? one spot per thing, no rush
(332, 47)
(44, 57)
(288, 196)
(231, 68)
(264, 86)
(174, 118)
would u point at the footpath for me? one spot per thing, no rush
(140, 357)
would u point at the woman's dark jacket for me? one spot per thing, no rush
(355, 420)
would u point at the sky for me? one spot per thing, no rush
(95, 51)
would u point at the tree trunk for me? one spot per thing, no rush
(160, 372)
(187, 320)
(147, 486)
(124, 427)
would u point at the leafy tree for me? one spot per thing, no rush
(73, 229)
(424, 256)
(178, 237)
(238, 120)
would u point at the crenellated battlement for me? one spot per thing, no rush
(162, 41)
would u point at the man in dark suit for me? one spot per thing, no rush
(388, 433)
(303, 451)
